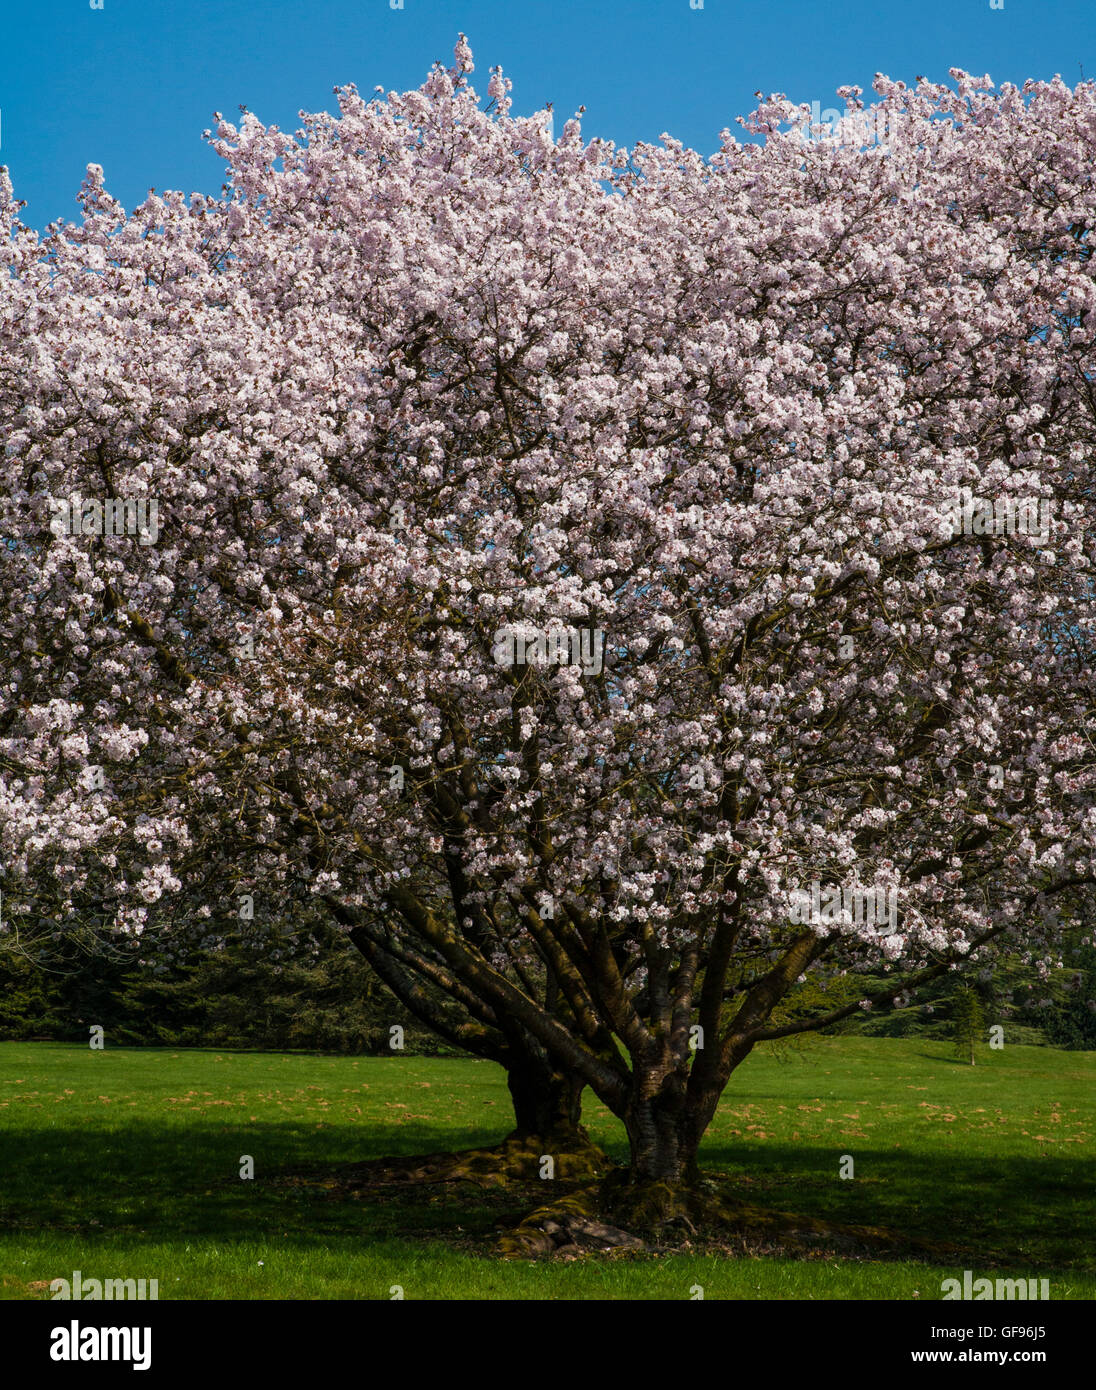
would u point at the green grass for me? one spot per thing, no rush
(125, 1163)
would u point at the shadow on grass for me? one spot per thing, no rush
(172, 1182)
(168, 1182)
(1035, 1209)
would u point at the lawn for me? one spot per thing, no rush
(125, 1163)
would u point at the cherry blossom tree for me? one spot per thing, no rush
(621, 588)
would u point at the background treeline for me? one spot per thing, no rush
(1056, 1008)
(314, 992)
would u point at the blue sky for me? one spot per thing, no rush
(132, 86)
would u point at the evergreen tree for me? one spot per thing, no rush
(968, 1020)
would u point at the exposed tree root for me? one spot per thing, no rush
(519, 1158)
(565, 1227)
(618, 1217)
(596, 1209)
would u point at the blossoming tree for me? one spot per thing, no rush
(620, 587)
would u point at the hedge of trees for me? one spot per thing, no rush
(315, 992)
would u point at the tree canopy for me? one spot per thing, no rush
(613, 584)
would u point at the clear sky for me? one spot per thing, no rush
(132, 86)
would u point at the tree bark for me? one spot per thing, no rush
(546, 1102)
(662, 1134)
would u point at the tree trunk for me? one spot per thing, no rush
(547, 1103)
(662, 1134)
